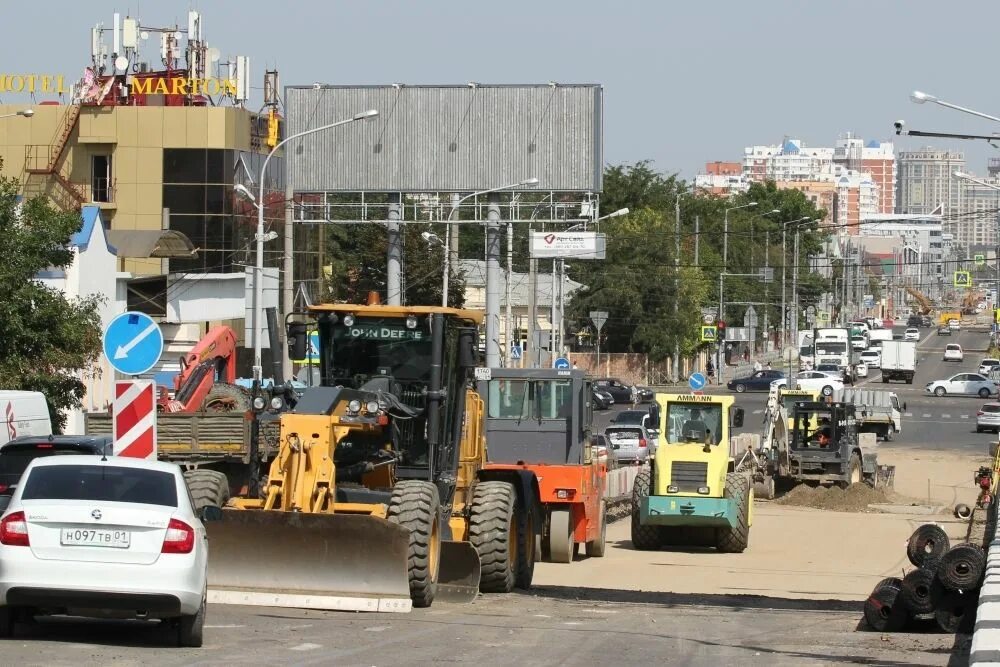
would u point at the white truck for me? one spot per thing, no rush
(899, 360)
(877, 412)
(876, 337)
(806, 350)
(833, 346)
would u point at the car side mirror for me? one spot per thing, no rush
(737, 417)
(210, 513)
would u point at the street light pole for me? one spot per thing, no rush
(919, 98)
(725, 233)
(26, 113)
(784, 274)
(257, 306)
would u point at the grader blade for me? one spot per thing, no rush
(345, 562)
(458, 573)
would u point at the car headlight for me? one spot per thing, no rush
(371, 406)
(259, 403)
(354, 405)
(277, 403)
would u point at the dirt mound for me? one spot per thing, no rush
(856, 498)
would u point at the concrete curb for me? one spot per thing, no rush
(985, 649)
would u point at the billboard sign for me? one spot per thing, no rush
(568, 245)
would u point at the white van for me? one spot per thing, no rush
(23, 413)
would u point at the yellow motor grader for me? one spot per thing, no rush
(378, 499)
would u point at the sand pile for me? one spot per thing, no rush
(856, 498)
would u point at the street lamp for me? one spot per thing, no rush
(26, 113)
(920, 98)
(260, 237)
(972, 179)
(784, 273)
(447, 236)
(725, 232)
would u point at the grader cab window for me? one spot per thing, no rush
(694, 423)
(376, 347)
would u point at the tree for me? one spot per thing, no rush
(46, 340)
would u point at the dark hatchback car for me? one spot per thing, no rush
(644, 394)
(19, 452)
(759, 381)
(621, 392)
(602, 399)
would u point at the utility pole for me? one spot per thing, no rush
(451, 248)
(393, 288)
(784, 273)
(287, 276)
(677, 284)
(697, 238)
(552, 316)
(795, 291)
(562, 306)
(533, 351)
(493, 281)
(508, 328)
(767, 289)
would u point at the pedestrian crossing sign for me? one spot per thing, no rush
(312, 349)
(709, 333)
(515, 351)
(963, 279)
(980, 260)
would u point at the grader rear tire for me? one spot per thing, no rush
(734, 540)
(207, 487)
(415, 505)
(493, 533)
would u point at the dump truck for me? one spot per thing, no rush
(692, 493)
(878, 412)
(539, 422)
(378, 498)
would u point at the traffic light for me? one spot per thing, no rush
(721, 330)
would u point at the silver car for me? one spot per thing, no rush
(629, 444)
(988, 418)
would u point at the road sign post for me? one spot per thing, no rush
(598, 317)
(561, 363)
(135, 419)
(133, 343)
(697, 382)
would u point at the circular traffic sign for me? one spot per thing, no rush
(133, 343)
(696, 381)
(561, 363)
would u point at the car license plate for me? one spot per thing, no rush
(90, 537)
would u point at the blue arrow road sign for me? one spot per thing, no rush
(560, 363)
(133, 343)
(696, 381)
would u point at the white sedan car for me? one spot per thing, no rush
(967, 384)
(912, 333)
(872, 357)
(819, 381)
(88, 536)
(953, 352)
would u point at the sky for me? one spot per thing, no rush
(684, 82)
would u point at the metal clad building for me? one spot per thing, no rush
(446, 138)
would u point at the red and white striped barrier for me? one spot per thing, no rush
(135, 419)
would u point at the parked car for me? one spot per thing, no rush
(93, 536)
(758, 381)
(629, 444)
(944, 330)
(872, 357)
(912, 333)
(824, 383)
(953, 352)
(954, 324)
(621, 392)
(644, 394)
(641, 418)
(19, 452)
(988, 418)
(602, 399)
(985, 366)
(833, 370)
(969, 384)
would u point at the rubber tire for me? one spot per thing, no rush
(597, 548)
(919, 591)
(562, 547)
(416, 505)
(644, 538)
(740, 388)
(207, 487)
(490, 522)
(7, 617)
(224, 397)
(984, 393)
(940, 391)
(854, 464)
(827, 390)
(979, 429)
(962, 568)
(191, 629)
(885, 610)
(956, 612)
(527, 543)
(927, 545)
(734, 540)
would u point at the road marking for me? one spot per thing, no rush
(757, 412)
(945, 416)
(908, 414)
(306, 647)
(377, 628)
(926, 416)
(223, 627)
(964, 416)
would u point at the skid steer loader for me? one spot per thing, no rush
(377, 499)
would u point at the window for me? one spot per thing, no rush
(101, 483)
(100, 178)
(530, 399)
(694, 422)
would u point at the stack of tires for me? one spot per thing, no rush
(944, 587)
